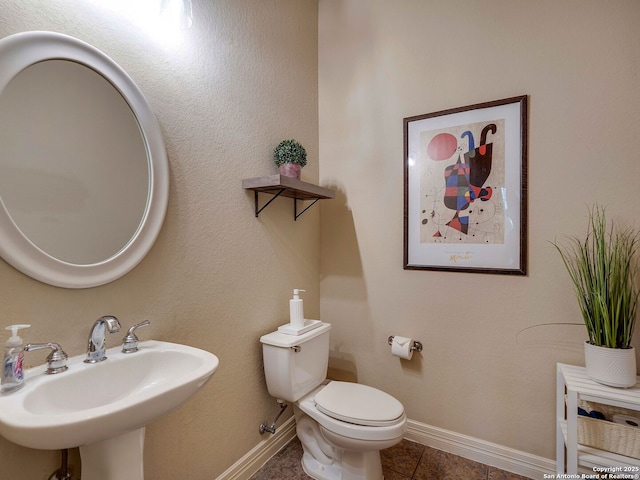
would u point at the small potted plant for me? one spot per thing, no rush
(290, 156)
(603, 269)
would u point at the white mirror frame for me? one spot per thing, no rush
(22, 50)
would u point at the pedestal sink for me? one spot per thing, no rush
(103, 408)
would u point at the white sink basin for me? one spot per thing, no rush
(90, 403)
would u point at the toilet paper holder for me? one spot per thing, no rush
(415, 347)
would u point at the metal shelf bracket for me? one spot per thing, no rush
(295, 208)
(258, 209)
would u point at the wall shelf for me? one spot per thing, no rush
(281, 186)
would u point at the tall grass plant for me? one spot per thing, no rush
(603, 268)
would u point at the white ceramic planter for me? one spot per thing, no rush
(615, 367)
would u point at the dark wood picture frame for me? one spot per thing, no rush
(465, 189)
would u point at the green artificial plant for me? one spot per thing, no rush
(603, 270)
(290, 151)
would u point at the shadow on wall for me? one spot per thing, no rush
(342, 366)
(339, 250)
(413, 367)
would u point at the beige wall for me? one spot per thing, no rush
(244, 77)
(240, 80)
(381, 61)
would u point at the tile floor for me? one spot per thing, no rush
(405, 461)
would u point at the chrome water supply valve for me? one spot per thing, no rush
(272, 428)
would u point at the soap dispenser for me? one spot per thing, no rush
(297, 323)
(12, 371)
(296, 310)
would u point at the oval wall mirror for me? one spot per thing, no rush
(84, 176)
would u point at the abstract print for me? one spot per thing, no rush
(462, 184)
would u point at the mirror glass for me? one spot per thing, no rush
(67, 137)
(83, 170)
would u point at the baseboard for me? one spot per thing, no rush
(249, 464)
(488, 453)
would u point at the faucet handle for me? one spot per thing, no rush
(57, 359)
(130, 341)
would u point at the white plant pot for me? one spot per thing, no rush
(615, 367)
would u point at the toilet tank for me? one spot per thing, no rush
(295, 364)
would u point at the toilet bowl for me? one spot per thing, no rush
(356, 438)
(342, 426)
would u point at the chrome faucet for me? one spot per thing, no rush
(57, 359)
(130, 341)
(96, 343)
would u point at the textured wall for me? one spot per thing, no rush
(225, 92)
(382, 61)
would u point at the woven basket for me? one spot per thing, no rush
(606, 435)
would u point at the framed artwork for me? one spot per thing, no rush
(465, 189)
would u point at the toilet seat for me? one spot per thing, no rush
(395, 430)
(358, 404)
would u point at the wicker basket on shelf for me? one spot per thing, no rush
(606, 435)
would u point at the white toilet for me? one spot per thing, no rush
(342, 426)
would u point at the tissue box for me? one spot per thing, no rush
(606, 435)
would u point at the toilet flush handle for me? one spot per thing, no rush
(296, 348)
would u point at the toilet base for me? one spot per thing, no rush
(354, 466)
(320, 471)
(361, 465)
(324, 461)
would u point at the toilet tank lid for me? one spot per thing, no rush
(283, 340)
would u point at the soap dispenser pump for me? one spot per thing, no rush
(12, 371)
(296, 310)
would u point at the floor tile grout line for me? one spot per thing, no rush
(415, 469)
